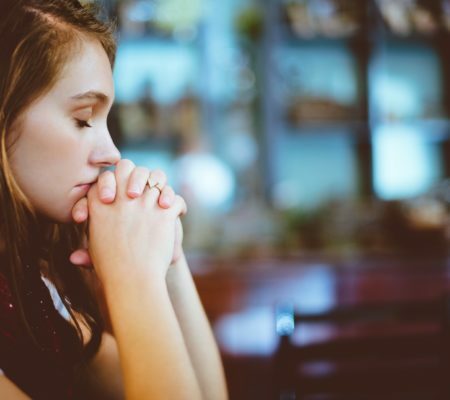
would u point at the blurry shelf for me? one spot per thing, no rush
(302, 22)
(321, 110)
(356, 128)
(291, 38)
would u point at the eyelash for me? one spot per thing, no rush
(82, 124)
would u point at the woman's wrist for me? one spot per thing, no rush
(176, 273)
(126, 278)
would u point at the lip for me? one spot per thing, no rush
(84, 187)
(87, 183)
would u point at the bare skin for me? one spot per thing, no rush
(106, 184)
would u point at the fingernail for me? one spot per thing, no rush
(152, 181)
(106, 193)
(134, 190)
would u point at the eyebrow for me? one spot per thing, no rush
(92, 94)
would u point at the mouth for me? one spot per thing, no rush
(84, 187)
(87, 183)
(84, 184)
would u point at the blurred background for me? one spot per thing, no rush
(310, 139)
(291, 126)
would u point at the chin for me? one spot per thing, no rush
(66, 221)
(55, 219)
(57, 216)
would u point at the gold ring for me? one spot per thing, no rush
(157, 185)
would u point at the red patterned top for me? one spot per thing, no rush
(45, 371)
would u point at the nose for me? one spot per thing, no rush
(105, 152)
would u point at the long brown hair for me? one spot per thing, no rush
(37, 39)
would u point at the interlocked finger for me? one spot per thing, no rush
(179, 205)
(106, 186)
(157, 180)
(123, 170)
(137, 181)
(167, 197)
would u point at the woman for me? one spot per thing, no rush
(56, 90)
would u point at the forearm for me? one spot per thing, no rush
(198, 336)
(102, 377)
(153, 355)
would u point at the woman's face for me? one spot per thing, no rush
(63, 140)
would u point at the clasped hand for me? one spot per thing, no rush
(130, 218)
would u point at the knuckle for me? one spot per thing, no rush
(142, 171)
(159, 173)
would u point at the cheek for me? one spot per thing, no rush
(45, 162)
(40, 157)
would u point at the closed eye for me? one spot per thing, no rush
(82, 124)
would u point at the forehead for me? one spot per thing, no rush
(87, 71)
